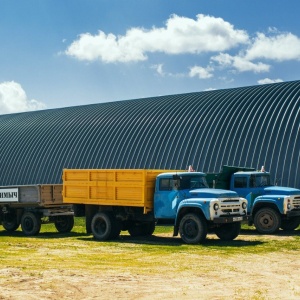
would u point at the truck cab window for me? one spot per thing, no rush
(263, 180)
(193, 182)
(198, 182)
(164, 184)
(259, 180)
(167, 184)
(240, 182)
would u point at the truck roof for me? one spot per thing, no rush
(181, 174)
(252, 172)
(218, 193)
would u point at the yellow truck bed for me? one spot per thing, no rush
(115, 187)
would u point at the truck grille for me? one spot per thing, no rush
(230, 206)
(296, 201)
(230, 200)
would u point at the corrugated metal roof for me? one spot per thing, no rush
(248, 126)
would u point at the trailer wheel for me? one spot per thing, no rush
(10, 222)
(102, 227)
(30, 223)
(267, 221)
(290, 224)
(64, 224)
(228, 232)
(192, 229)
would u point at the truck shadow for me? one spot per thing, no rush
(279, 233)
(176, 241)
(42, 235)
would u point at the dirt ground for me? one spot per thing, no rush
(274, 275)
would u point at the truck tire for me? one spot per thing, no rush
(150, 228)
(290, 224)
(30, 223)
(64, 224)
(192, 229)
(116, 226)
(10, 222)
(228, 232)
(267, 220)
(101, 226)
(90, 211)
(136, 229)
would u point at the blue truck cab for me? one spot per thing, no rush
(185, 199)
(269, 207)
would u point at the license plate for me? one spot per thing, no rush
(237, 218)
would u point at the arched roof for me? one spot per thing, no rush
(247, 126)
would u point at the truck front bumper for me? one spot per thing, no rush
(293, 213)
(229, 219)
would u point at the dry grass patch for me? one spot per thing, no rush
(75, 266)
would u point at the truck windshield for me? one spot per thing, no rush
(192, 182)
(260, 180)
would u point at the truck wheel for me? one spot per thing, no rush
(149, 228)
(64, 224)
(10, 222)
(30, 223)
(116, 226)
(90, 211)
(136, 229)
(192, 229)
(267, 221)
(228, 232)
(290, 224)
(102, 226)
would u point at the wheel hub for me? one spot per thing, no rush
(267, 220)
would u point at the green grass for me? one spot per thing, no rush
(81, 250)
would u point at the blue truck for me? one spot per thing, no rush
(135, 199)
(270, 207)
(196, 208)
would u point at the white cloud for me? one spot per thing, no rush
(180, 35)
(13, 99)
(268, 80)
(202, 73)
(280, 47)
(240, 63)
(159, 69)
(276, 47)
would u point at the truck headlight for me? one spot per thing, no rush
(216, 206)
(289, 206)
(244, 205)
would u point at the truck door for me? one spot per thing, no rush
(240, 185)
(244, 184)
(166, 198)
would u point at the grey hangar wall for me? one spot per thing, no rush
(247, 126)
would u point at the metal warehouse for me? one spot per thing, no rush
(248, 126)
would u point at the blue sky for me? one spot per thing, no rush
(75, 52)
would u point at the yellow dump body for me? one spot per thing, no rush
(113, 187)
